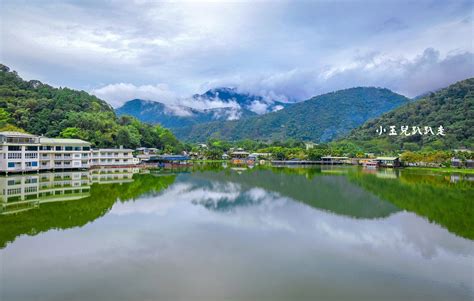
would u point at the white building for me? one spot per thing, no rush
(18, 152)
(112, 157)
(59, 153)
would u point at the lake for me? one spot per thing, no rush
(216, 232)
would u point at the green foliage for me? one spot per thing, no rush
(213, 154)
(452, 108)
(320, 119)
(43, 110)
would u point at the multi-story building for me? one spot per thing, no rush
(59, 153)
(18, 152)
(112, 157)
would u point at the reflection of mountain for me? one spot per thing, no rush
(78, 212)
(333, 193)
(447, 204)
(223, 196)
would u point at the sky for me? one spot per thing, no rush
(281, 50)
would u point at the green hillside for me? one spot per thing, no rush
(320, 119)
(452, 108)
(61, 112)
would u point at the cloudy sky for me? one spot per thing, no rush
(164, 51)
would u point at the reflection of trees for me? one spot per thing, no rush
(447, 204)
(79, 212)
(332, 193)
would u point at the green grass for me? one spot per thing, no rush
(445, 169)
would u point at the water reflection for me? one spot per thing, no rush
(260, 234)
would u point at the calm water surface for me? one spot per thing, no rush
(219, 233)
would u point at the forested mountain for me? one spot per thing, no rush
(246, 101)
(223, 103)
(177, 115)
(61, 112)
(452, 108)
(319, 119)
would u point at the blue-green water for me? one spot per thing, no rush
(221, 233)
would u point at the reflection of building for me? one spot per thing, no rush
(63, 153)
(23, 192)
(112, 175)
(112, 157)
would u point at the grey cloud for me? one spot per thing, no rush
(280, 50)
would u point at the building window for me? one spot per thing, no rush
(31, 164)
(45, 147)
(77, 148)
(86, 148)
(14, 148)
(30, 189)
(58, 148)
(31, 155)
(31, 148)
(14, 156)
(31, 180)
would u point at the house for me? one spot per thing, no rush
(388, 161)
(144, 153)
(239, 156)
(335, 160)
(309, 145)
(455, 162)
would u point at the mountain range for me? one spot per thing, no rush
(320, 119)
(218, 104)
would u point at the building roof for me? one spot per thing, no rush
(240, 153)
(386, 158)
(62, 141)
(17, 134)
(113, 150)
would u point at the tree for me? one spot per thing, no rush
(72, 132)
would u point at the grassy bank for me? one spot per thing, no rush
(469, 171)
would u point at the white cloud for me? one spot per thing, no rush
(275, 49)
(117, 94)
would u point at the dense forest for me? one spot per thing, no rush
(452, 108)
(40, 109)
(320, 119)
